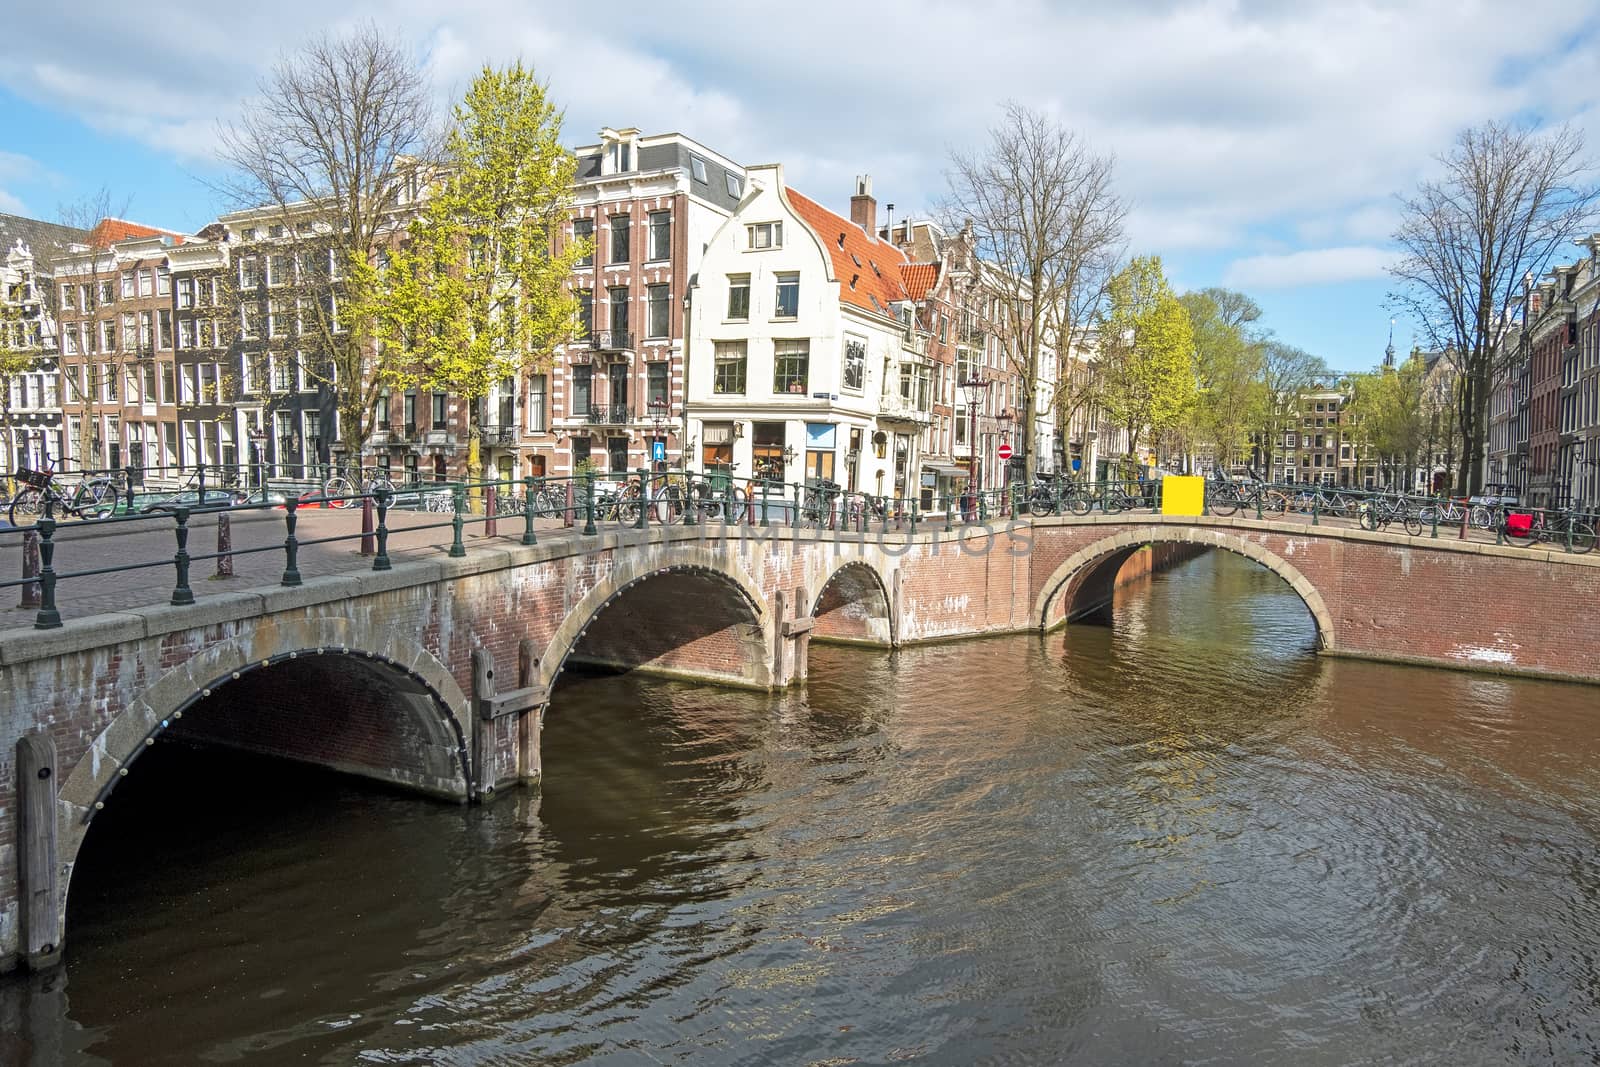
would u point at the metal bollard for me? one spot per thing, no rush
(458, 503)
(491, 507)
(644, 500)
(291, 546)
(380, 561)
(48, 617)
(529, 495)
(224, 545)
(366, 526)
(181, 593)
(30, 569)
(589, 529)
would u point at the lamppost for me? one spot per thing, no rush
(257, 439)
(976, 388)
(658, 423)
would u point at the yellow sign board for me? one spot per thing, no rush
(1182, 495)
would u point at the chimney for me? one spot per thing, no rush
(863, 208)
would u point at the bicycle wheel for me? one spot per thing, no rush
(1225, 504)
(1079, 504)
(1042, 503)
(1413, 523)
(1274, 502)
(339, 491)
(96, 499)
(1480, 517)
(25, 506)
(1582, 537)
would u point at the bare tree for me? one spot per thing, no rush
(1285, 373)
(328, 150)
(1045, 219)
(1508, 198)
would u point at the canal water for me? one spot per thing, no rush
(1179, 838)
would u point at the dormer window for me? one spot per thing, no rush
(697, 169)
(733, 184)
(621, 157)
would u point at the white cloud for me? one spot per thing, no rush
(1321, 266)
(1231, 120)
(11, 205)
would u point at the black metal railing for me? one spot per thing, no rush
(614, 415)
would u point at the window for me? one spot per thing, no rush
(660, 311)
(619, 239)
(130, 333)
(790, 362)
(585, 312)
(147, 282)
(655, 390)
(409, 410)
(164, 328)
(660, 235)
(787, 305)
(765, 234)
(538, 403)
(855, 363)
(280, 270)
(107, 293)
(697, 169)
(185, 292)
(108, 335)
(282, 374)
(738, 296)
(582, 381)
(247, 321)
(618, 299)
(731, 362)
(439, 411)
(733, 184)
(127, 285)
(69, 297)
(70, 337)
(247, 272)
(583, 232)
(163, 281)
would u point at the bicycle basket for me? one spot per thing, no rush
(37, 479)
(1518, 524)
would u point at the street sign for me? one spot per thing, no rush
(658, 451)
(1077, 464)
(1005, 451)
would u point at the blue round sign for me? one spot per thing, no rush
(1077, 464)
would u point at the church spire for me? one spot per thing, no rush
(1388, 353)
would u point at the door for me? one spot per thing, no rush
(617, 453)
(619, 393)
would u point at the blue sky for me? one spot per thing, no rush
(1260, 142)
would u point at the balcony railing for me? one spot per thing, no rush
(611, 341)
(615, 415)
(497, 433)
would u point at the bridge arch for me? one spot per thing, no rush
(403, 681)
(1055, 596)
(726, 635)
(853, 606)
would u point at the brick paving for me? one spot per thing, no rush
(413, 535)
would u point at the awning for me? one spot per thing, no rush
(946, 470)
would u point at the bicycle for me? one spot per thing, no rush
(1552, 528)
(90, 498)
(1377, 513)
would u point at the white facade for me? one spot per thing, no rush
(787, 371)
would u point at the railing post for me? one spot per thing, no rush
(644, 500)
(1435, 517)
(491, 507)
(1568, 524)
(30, 569)
(224, 545)
(1499, 524)
(380, 560)
(949, 514)
(1260, 497)
(1316, 508)
(913, 516)
(48, 617)
(458, 501)
(366, 525)
(200, 472)
(529, 495)
(568, 514)
(589, 529)
(181, 593)
(291, 546)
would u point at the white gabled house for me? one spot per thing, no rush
(799, 324)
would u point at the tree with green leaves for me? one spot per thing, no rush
(1148, 351)
(1285, 373)
(1389, 417)
(1228, 367)
(477, 291)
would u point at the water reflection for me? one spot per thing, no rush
(1179, 837)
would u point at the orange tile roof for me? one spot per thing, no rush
(110, 231)
(918, 278)
(868, 269)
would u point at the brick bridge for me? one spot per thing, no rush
(436, 675)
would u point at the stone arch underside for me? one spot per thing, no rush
(852, 607)
(686, 613)
(1099, 562)
(322, 691)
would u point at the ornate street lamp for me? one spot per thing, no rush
(976, 388)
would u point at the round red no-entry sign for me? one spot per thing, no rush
(1005, 451)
